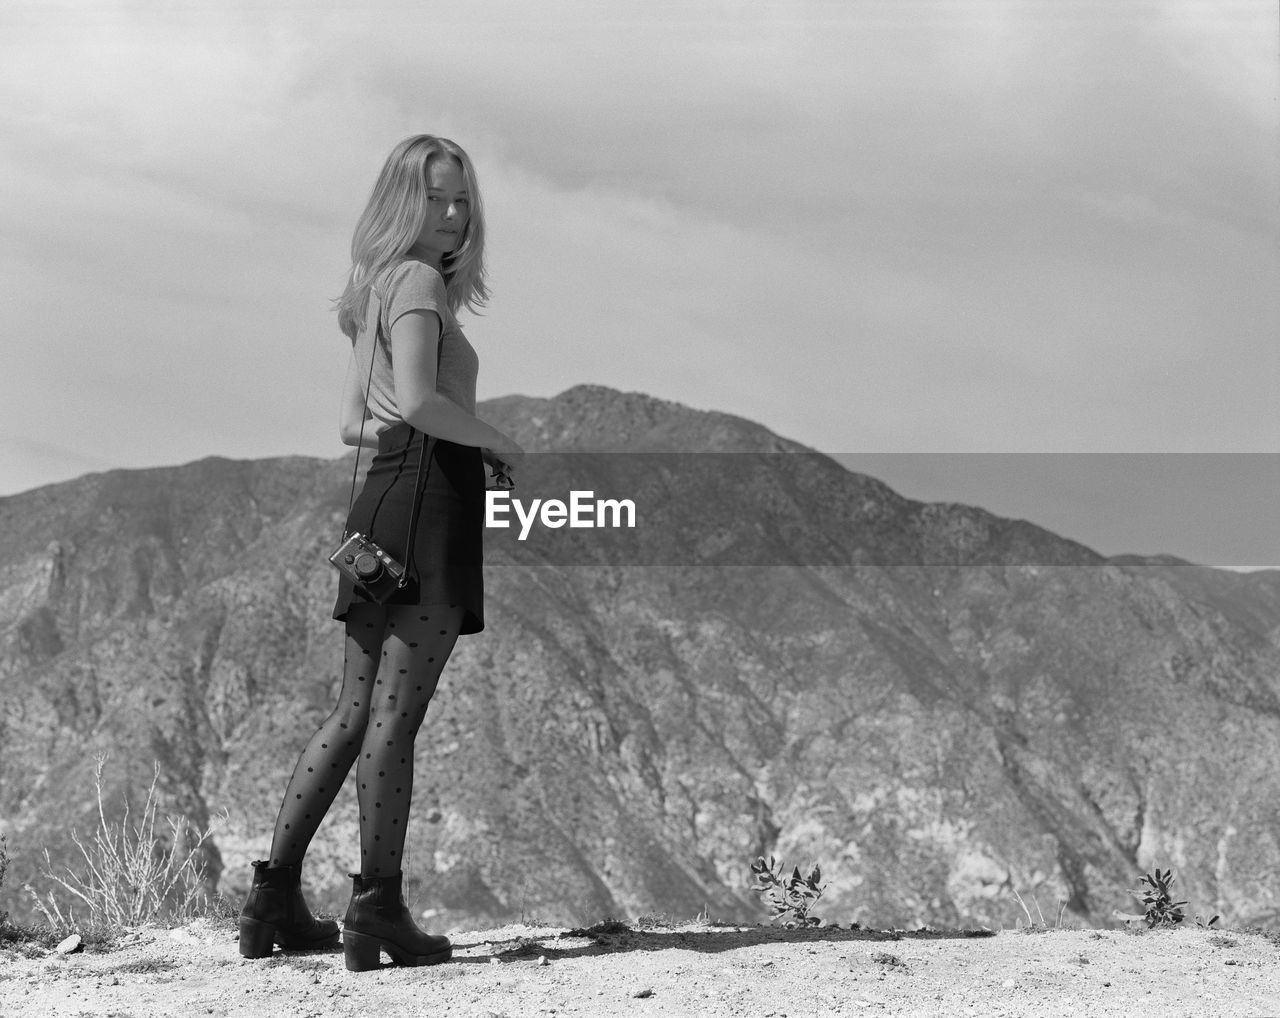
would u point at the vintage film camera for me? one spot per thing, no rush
(371, 569)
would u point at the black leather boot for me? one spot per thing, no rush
(276, 913)
(378, 920)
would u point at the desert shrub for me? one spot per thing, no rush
(4, 866)
(1160, 908)
(133, 874)
(789, 898)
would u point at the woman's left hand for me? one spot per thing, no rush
(501, 470)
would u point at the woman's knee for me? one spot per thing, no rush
(394, 725)
(351, 715)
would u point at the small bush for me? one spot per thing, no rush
(1161, 909)
(135, 874)
(4, 866)
(792, 896)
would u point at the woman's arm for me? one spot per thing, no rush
(355, 411)
(415, 338)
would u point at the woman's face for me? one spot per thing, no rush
(448, 207)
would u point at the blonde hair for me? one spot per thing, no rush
(392, 221)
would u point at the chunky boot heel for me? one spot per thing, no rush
(275, 911)
(257, 939)
(378, 919)
(361, 953)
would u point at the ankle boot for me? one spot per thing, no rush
(378, 920)
(276, 912)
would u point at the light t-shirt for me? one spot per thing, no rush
(412, 285)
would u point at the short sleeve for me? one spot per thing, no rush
(414, 286)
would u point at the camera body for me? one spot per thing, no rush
(371, 569)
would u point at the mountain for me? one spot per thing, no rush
(940, 706)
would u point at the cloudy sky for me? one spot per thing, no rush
(888, 228)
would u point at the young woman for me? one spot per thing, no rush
(417, 258)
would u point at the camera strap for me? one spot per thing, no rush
(419, 484)
(373, 322)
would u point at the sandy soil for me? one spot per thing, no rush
(638, 971)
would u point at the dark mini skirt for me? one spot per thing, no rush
(447, 544)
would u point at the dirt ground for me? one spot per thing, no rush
(639, 970)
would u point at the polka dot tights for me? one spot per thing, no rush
(394, 657)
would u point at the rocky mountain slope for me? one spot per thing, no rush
(939, 705)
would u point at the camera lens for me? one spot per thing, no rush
(367, 566)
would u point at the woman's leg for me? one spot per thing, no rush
(328, 757)
(275, 911)
(416, 644)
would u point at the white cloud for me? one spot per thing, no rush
(1231, 47)
(973, 226)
